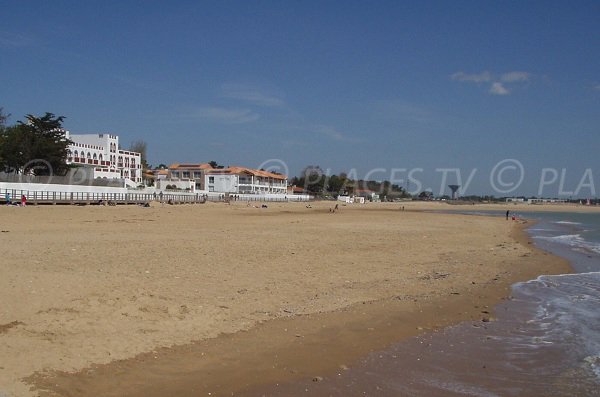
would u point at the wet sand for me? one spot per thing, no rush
(130, 300)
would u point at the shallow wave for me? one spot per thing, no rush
(594, 364)
(569, 303)
(573, 240)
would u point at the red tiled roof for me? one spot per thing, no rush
(202, 166)
(244, 170)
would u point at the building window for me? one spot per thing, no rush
(186, 174)
(211, 179)
(197, 174)
(175, 174)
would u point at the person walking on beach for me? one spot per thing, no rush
(7, 198)
(507, 213)
(23, 200)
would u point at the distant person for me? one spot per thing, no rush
(507, 214)
(23, 200)
(7, 198)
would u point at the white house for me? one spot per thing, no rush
(101, 153)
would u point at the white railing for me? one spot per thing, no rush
(58, 197)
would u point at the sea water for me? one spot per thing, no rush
(545, 340)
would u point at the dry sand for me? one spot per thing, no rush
(91, 285)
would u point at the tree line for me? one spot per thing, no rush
(316, 182)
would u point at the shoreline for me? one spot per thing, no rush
(300, 347)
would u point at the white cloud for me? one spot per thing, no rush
(498, 82)
(482, 77)
(330, 132)
(226, 115)
(498, 89)
(512, 77)
(10, 40)
(251, 94)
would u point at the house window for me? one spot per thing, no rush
(211, 179)
(186, 174)
(175, 174)
(197, 175)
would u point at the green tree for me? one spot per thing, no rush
(313, 179)
(336, 184)
(426, 195)
(3, 118)
(37, 147)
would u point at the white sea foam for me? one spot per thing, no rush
(572, 240)
(594, 363)
(567, 223)
(566, 313)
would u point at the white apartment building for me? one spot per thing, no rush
(243, 180)
(190, 172)
(101, 152)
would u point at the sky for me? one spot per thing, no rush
(502, 98)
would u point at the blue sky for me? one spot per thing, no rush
(359, 87)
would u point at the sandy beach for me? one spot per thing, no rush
(181, 300)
